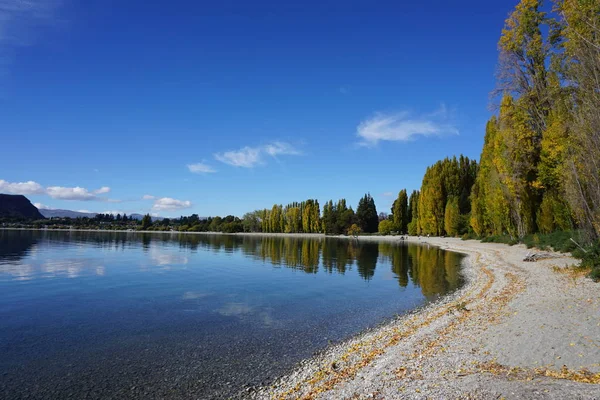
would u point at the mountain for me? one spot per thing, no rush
(76, 214)
(65, 214)
(18, 206)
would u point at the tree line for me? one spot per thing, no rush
(539, 168)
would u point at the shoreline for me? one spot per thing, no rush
(514, 330)
(298, 235)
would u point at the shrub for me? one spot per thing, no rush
(386, 227)
(354, 230)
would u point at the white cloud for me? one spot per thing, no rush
(85, 211)
(201, 168)
(280, 148)
(102, 190)
(249, 157)
(387, 194)
(56, 192)
(29, 187)
(148, 197)
(73, 193)
(41, 206)
(404, 127)
(169, 204)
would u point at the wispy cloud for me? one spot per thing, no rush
(169, 204)
(246, 157)
(249, 157)
(56, 192)
(404, 126)
(280, 148)
(387, 194)
(201, 168)
(148, 197)
(19, 22)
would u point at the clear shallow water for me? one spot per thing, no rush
(127, 315)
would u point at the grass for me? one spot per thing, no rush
(591, 259)
(558, 241)
(511, 241)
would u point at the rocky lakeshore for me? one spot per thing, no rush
(515, 330)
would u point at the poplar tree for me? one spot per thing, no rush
(400, 212)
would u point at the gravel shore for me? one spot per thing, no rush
(515, 330)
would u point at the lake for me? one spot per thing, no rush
(128, 315)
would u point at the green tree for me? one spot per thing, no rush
(354, 230)
(452, 218)
(215, 224)
(146, 222)
(400, 212)
(581, 33)
(413, 212)
(251, 222)
(386, 227)
(366, 214)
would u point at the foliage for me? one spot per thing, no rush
(413, 213)
(400, 214)
(146, 222)
(354, 230)
(452, 220)
(386, 227)
(366, 214)
(580, 31)
(445, 180)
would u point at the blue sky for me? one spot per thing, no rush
(220, 108)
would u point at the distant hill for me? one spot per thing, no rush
(65, 214)
(76, 214)
(18, 206)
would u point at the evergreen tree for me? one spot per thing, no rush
(366, 214)
(146, 222)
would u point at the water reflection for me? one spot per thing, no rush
(14, 245)
(434, 270)
(91, 314)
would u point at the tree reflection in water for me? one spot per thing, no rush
(434, 270)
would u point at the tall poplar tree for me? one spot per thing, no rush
(400, 212)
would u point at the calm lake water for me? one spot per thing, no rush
(127, 315)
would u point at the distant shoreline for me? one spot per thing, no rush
(263, 234)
